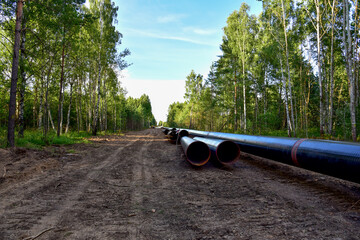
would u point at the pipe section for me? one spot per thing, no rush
(183, 133)
(338, 159)
(172, 135)
(224, 151)
(197, 153)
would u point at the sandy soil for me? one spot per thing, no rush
(139, 186)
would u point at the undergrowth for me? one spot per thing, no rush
(34, 139)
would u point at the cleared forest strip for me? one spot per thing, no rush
(140, 186)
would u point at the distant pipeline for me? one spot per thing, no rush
(334, 158)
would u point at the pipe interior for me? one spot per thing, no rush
(183, 133)
(228, 152)
(198, 153)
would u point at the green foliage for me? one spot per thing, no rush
(80, 47)
(263, 58)
(138, 113)
(35, 139)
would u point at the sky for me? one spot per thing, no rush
(168, 39)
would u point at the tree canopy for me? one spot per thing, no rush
(70, 57)
(292, 70)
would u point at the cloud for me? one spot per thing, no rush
(162, 93)
(168, 37)
(201, 31)
(170, 18)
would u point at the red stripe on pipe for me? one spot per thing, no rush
(294, 150)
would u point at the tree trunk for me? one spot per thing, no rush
(280, 95)
(349, 67)
(288, 69)
(105, 106)
(89, 105)
(51, 120)
(14, 76)
(114, 115)
(40, 115)
(62, 110)
(318, 42)
(351, 77)
(244, 90)
(23, 79)
(265, 99)
(80, 105)
(255, 125)
(289, 127)
(35, 103)
(330, 121)
(356, 63)
(61, 88)
(96, 115)
(68, 114)
(77, 113)
(235, 103)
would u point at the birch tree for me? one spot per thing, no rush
(14, 75)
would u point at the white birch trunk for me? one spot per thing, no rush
(68, 114)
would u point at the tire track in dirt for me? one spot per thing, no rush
(113, 207)
(74, 194)
(44, 205)
(141, 177)
(253, 199)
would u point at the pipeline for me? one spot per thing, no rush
(174, 135)
(224, 151)
(182, 133)
(166, 130)
(338, 159)
(197, 153)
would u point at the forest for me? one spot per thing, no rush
(293, 70)
(60, 71)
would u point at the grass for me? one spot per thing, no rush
(34, 139)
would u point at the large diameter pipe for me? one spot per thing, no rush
(276, 148)
(338, 159)
(183, 133)
(172, 135)
(197, 153)
(224, 151)
(166, 130)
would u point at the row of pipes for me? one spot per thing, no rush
(334, 158)
(199, 150)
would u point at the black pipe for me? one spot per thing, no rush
(197, 153)
(172, 135)
(183, 133)
(224, 151)
(338, 159)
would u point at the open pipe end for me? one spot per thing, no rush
(227, 152)
(172, 135)
(198, 153)
(183, 133)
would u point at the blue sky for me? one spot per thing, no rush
(168, 39)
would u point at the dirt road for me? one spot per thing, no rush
(139, 186)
